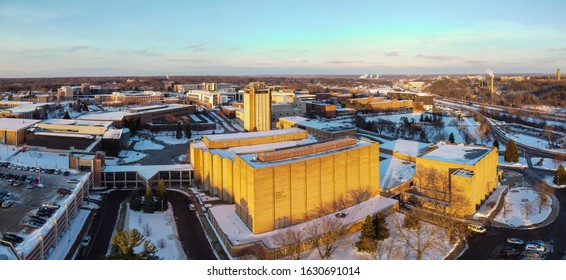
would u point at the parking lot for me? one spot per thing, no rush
(29, 194)
(523, 250)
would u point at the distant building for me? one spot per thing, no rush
(143, 115)
(65, 93)
(426, 99)
(85, 89)
(212, 99)
(13, 131)
(320, 129)
(378, 103)
(558, 76)
(23, 109)
(324, 110)
(257, 107)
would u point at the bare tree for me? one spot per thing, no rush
(358, 196)
(146, 228)
(324, 234)
(290, 241)
(527, 208)
(423, 237)
(161, 243)
(557, 160)
(544, 191)
(482, 131)
(387, 250)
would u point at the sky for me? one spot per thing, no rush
(46, 38)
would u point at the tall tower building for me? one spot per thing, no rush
(257, 107)
(558, 74)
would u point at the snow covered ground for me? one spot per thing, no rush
(528, 140)
(163, 228)
(7, 151)
(546, 164)
(522, 163)
(144, 145)
(394, 171)
(393, 248)
(522, 208)
(171, 139)
(125, 157)
(43, 159)
(490, 203)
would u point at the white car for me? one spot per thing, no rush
(535, 247)
(7, 203)
(477, 228)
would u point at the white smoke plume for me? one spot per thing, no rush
(489, 72)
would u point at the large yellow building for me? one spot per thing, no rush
(280, 178)
(455, 178)
(257, 107)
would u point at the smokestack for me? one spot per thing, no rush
(558, 75)
(492, 91)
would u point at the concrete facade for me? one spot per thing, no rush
(257, 107)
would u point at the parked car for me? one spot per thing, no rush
(7, 203)
(73, 181)
(32, 224)
(63, 191)
(57, 172)
(86, 241)
(532, 254)
(192, 207)
(537, 242)
(37, 218)
(535, 247)
(515, 241)
(66, 173)
(509, 252)
(477, 228)
(51, 206)
(12, 238)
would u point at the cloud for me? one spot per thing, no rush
(195, 48)
(297, 61)
(557, 49)
(343, 61)
(437, 57)
(392, 53)
(190, 60)
(76, 48)
(136, 52)
(291, 50)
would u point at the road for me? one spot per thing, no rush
(191, 234)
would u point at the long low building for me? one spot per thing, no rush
(276, 180)
(13, 131)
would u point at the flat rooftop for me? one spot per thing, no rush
(326, 125)
(27, 201)
(77, 122)
(16, 124)
(405, 147)
(457, 153)
(252, 159)
(119, 115)
(230, 152)
(249, 135)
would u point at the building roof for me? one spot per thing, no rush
(16, 124)
(119, 115)
(326, 125)
(78, 122)
(252, 159)
(457, 153)
(405, 147)
(248, 135)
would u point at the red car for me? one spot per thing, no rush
(63, 191)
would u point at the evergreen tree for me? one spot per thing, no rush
(496, 144)
(127, 241)
(560, 176)
(66, 116)
(162, 191)
(136, 201)
(423, 136)
(381, 229)
(148, 203)
(179, 133)
(374, 229)
(421, 119)
(511, 152)
(451, 138)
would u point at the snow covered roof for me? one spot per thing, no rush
(457, 153)
(248, 135)
(148, 171)
(16, 124)
(405, 147)
(77, 122)
(251, 159)
(230, 152)
(119, 115)
(328, 125)
(113, 134)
